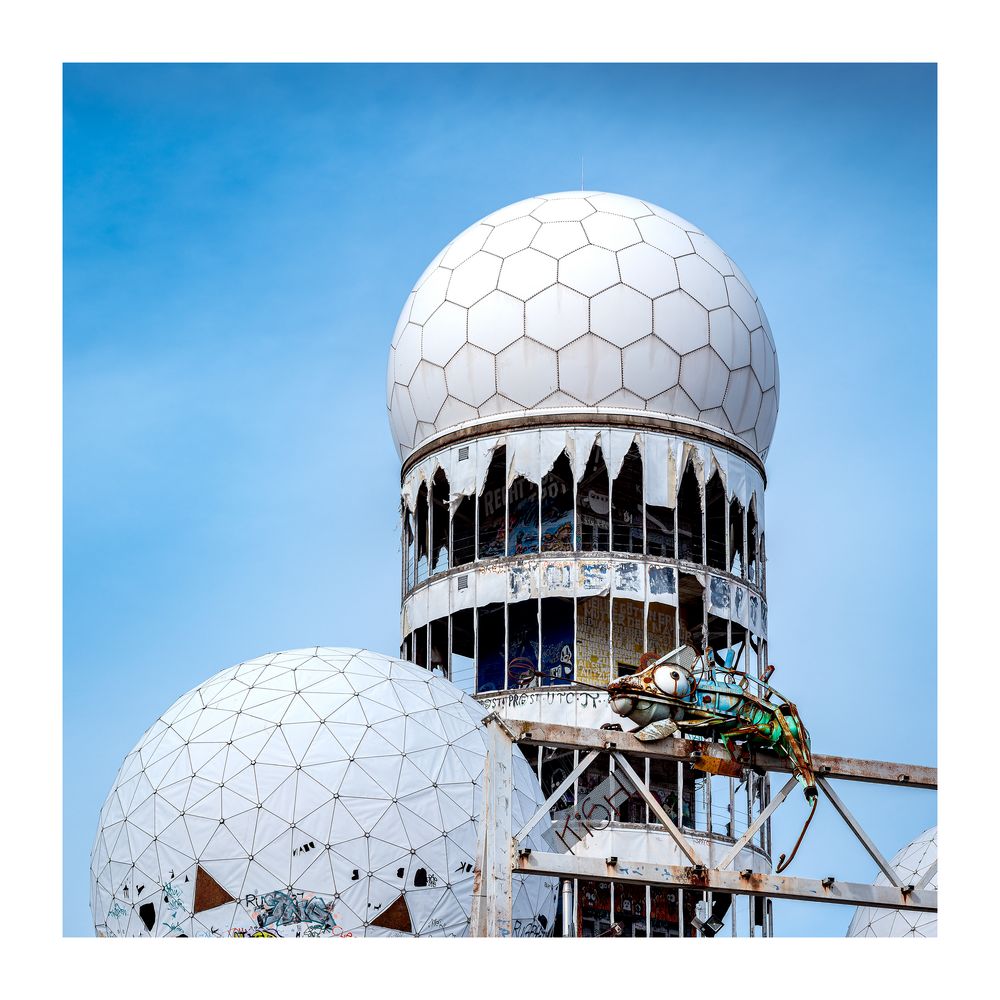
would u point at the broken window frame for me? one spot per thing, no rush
(491, 536)
(588, 523)
(628, 520)
(690, 527)
(440, 540)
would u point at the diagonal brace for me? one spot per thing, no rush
(927, 876)
(762, 818)
(543, 810)
(679, 839)
(856, 829)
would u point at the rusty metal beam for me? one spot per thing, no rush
(712, 880)
(879, 772)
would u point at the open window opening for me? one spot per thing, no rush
(492, 508)
(762, 572)
(752, 541)
(592, 506)
(736, 537)
(420, 646)
(664, 912)
(627, 639)
(626, 509)
(715, 522)
(522, 645)
(463, 650)
(439, 522)
(522, 517)
(593, 640)
(463, 532)
(557, 640)
(691, 612)
(421, 516)
(660, 531)
(439, 647)
(490, 653)
(405, 652)
(689, 540)
(409, 547)
(557, 507)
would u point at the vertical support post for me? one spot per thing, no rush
(492, 887)
(568, 909)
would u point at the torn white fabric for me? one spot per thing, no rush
(718, 596)
(583, 439)
(615, 445)
(594, 579)
(417, 609)
(484, 452)
(551, 444)
(656, 471)
(523, 457)
(522, 582)
(438, 599)
(557, 579)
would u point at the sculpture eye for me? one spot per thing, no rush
(672, 681)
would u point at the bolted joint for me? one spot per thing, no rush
(828, 881)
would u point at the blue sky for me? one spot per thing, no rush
(238, 243)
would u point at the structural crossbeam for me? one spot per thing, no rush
(713, 880)
(844, 768)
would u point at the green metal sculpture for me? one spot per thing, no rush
(694, 695)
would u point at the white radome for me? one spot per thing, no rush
(317, 792)
(582, 299)
(910, 863)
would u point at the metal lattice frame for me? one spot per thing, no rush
(501, 854)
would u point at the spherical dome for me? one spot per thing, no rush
(317, 792)
(910, 864)
(582, 300)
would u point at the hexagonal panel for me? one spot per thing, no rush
(625, 399)
(402, 417)
(454, 411)
(702, 282)
(665, 236)
(471, 375)
(559, 238)
(590, 369)
(404, 318)
(512, 236)
(619, 204)
(463, 246)
(767, 418)
(496, 321)
(674, 402)
(589, 270)
(621, 315)
(474, 279)
(429, 295)
(515, 211)
(571, 209)
(526, 273)
(527, 372)
(674, 218)
(497, 404)
(709, 250)
(729, 337)
(407, 353)
(704, 377)
(649, 367)
(762, 358)
(430, 269)
(557, 316)
(680, 322)
(717, 416)
(742, 402)
(444, 333)
(648, 270)
(744, 281)
(613, 232)
(427, 390)
(560, 398)
(741, 301)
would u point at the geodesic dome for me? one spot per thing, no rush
(316, 792)
(582, 299)
(910, 864)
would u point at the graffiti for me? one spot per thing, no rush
(304, 848)
(280, 908)
(117, 911)
(597, 809)
(252, 932)
(172, 897)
